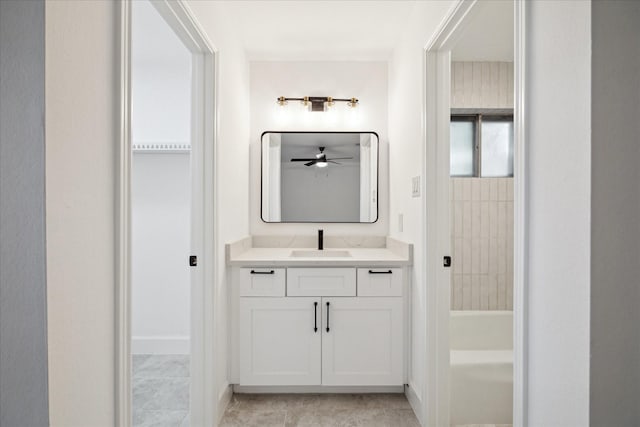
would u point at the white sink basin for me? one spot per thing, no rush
(320, 254)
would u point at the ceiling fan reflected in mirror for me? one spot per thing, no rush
(321, 159)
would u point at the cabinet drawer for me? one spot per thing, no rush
(321, 282)
(380, 282)
(262, 282)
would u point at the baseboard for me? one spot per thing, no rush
(224, 398)
(316, 389)
(160, 345)
(416, 403)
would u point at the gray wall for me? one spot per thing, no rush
(23, 328)
(615, 248)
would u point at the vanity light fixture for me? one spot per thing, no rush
(318, 103)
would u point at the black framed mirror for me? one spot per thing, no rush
(319, 177)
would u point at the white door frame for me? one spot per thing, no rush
(203, 410)
(437, 231)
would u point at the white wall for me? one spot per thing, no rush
(81, 138)
(406, 159)
(82, 98)
(615, 210)
(366, 81)
(161, 101)
(160, 244)
(559, 175)
(161, 79)
(23, 293)
(232, 162)
(160, 200)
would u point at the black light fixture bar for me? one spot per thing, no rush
(318, 103)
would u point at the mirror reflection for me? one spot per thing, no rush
(320, 177)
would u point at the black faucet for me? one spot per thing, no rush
(320, 240)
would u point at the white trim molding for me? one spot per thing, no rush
(203, 151)
(436, 104)
(520, 222)
(123, 229)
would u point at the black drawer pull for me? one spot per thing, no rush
(380, 272)
(315, 316)
(327, 316)
(262, 272)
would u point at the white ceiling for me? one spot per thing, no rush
(489, 34)
(319, 30)
(304, 30)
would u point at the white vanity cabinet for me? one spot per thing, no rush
(331, 327)
(362, 341)
(278, 343)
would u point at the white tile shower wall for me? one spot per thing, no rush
(482, 85)
(482, 242)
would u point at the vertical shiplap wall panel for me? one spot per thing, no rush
(482, 242)
(457, 83)
(482, 85)
(482, 208)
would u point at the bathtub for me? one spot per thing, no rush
(481, 367)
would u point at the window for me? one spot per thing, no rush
(481, 145)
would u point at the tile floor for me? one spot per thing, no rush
(321, 410)
(160, 390)
(161, 399)
(482, 425)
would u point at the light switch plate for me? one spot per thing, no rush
(415, 186)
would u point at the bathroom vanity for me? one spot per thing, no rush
(321, 319)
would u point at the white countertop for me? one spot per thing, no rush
(395, 254)
(281, 257)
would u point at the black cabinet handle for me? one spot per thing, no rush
(380, 272)
(327, 316)
(262, 272)
(315, 316)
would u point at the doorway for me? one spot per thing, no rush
(166, 218)
(475, 205)
(161, 211)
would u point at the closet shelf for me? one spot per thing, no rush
(161, 147)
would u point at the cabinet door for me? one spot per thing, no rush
(362, 341)
(278, 343)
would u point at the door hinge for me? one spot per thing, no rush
(446, 261)
(193, 261)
